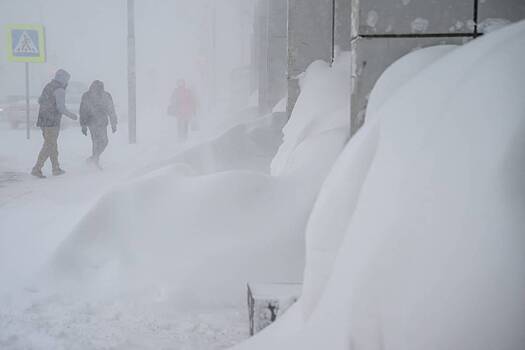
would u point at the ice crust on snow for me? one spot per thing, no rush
(433, 254)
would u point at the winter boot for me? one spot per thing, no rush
(58, 172)
(38, 173)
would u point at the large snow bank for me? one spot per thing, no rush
(321, 108)
(247, 145)
(340, 193)
(401, 72)
(433, 254)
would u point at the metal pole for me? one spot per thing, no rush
(214, 54)
(334, 23)
(132, 76)
(28, 121)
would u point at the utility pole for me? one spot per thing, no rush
(132, 74)
(28, 119)
(214, 54)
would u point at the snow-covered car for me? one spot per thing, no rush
(14, 110)
(2, 109)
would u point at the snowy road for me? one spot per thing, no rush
(57, 322)
(37, 215)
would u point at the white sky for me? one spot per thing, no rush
(88, 38)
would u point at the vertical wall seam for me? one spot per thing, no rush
(333, 30)
(476, 15)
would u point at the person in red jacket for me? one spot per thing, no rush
(182, 106)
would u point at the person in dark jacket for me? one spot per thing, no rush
(96, 113)
(52, 103)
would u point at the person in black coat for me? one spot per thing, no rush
(97, 111)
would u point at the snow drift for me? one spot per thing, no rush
(322, 108)
(163, 260)
(339, 195)
(191, 230)
(248, 145)
(428, 251)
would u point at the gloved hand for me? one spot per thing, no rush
(84, 130)
(114, 128)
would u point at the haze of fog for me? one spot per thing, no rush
(193, 40)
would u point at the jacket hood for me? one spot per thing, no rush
(62, 77)
(97, 86)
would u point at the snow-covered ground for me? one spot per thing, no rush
(155, 251)
(412, 240)
(56, 322)
(36, 216)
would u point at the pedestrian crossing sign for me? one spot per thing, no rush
(26, 43)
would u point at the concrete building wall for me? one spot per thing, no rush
(342, 16)
(384, 30)
(378, 32)
(310, 38)
(270, 52)
(278, 51)
(493, 10)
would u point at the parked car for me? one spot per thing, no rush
(3, 106)
(14, 109)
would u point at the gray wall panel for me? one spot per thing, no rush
(310, 37)
(271, 52)
(494, 11)
(277, 51)
(376, 22)
(414, 16)
(342, 34)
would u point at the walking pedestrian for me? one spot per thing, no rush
(52, 105)
(183, 106)
(97, 111)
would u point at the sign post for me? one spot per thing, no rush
(28, 117)
(26, 43)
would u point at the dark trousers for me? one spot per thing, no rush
(99, 137)
(183, 125)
